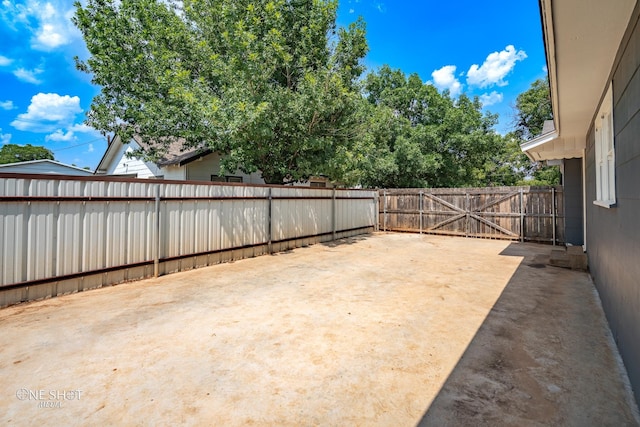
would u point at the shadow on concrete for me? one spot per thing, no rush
(543, 356)
(346, 241)
(330, 244)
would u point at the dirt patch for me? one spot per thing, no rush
(391, 329)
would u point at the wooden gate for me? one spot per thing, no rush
(513, 213)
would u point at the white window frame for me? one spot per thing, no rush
(605, 154)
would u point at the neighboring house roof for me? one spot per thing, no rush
(581, 40)
(175, 153)
(44, 166)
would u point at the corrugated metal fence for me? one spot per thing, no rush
(514, 213)
(66, 234)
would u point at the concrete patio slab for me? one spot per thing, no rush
(385, 329)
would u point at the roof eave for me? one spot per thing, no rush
(546, 18)
(529, 147)
(548, 36)
(101, 169)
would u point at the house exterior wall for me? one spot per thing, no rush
(573, 207)
(174, 172)
(204, 167)
(613, 235)
(116, 162)
(132, 166)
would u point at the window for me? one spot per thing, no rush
(318, 184)
(228, 178)
(605, 154)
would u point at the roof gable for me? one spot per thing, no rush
(173, 153)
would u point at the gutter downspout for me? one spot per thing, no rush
(584, 199)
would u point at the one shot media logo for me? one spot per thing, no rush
(48, 398)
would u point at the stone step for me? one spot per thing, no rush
(570, 257)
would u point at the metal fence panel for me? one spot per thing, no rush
(55, 230)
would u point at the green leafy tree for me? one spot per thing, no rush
(533, 108)
(424, 137)
(271, 84)
(13, 153)
(509, 165)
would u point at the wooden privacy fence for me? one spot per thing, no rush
(66, 234)
(514, 213)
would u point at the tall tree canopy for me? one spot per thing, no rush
(272, 84)
(13, 153)
(533, 108)
(420, 137)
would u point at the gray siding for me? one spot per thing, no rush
(573, 207)
(613, 235)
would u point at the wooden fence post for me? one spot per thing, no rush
(384, 211)
(421, 208)
(553, 213)
(521, 215)
(377, 210)
(467, 209)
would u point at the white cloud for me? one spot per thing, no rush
(70, 134)
(82, 128)
(47, 112)
(54, 26)
(7, 105)
(495, 68)
(28, 76)
(12, 14)
(4, 61)
(48, 22)
(60, 135)
(50, 36)
(5, 138)
(90, 149)
(491, 98)
(445, 78)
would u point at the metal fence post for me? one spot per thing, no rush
(333, 214)
(156, 255)
(521, 215)
(269, 216)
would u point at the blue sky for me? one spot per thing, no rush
(490, 49)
